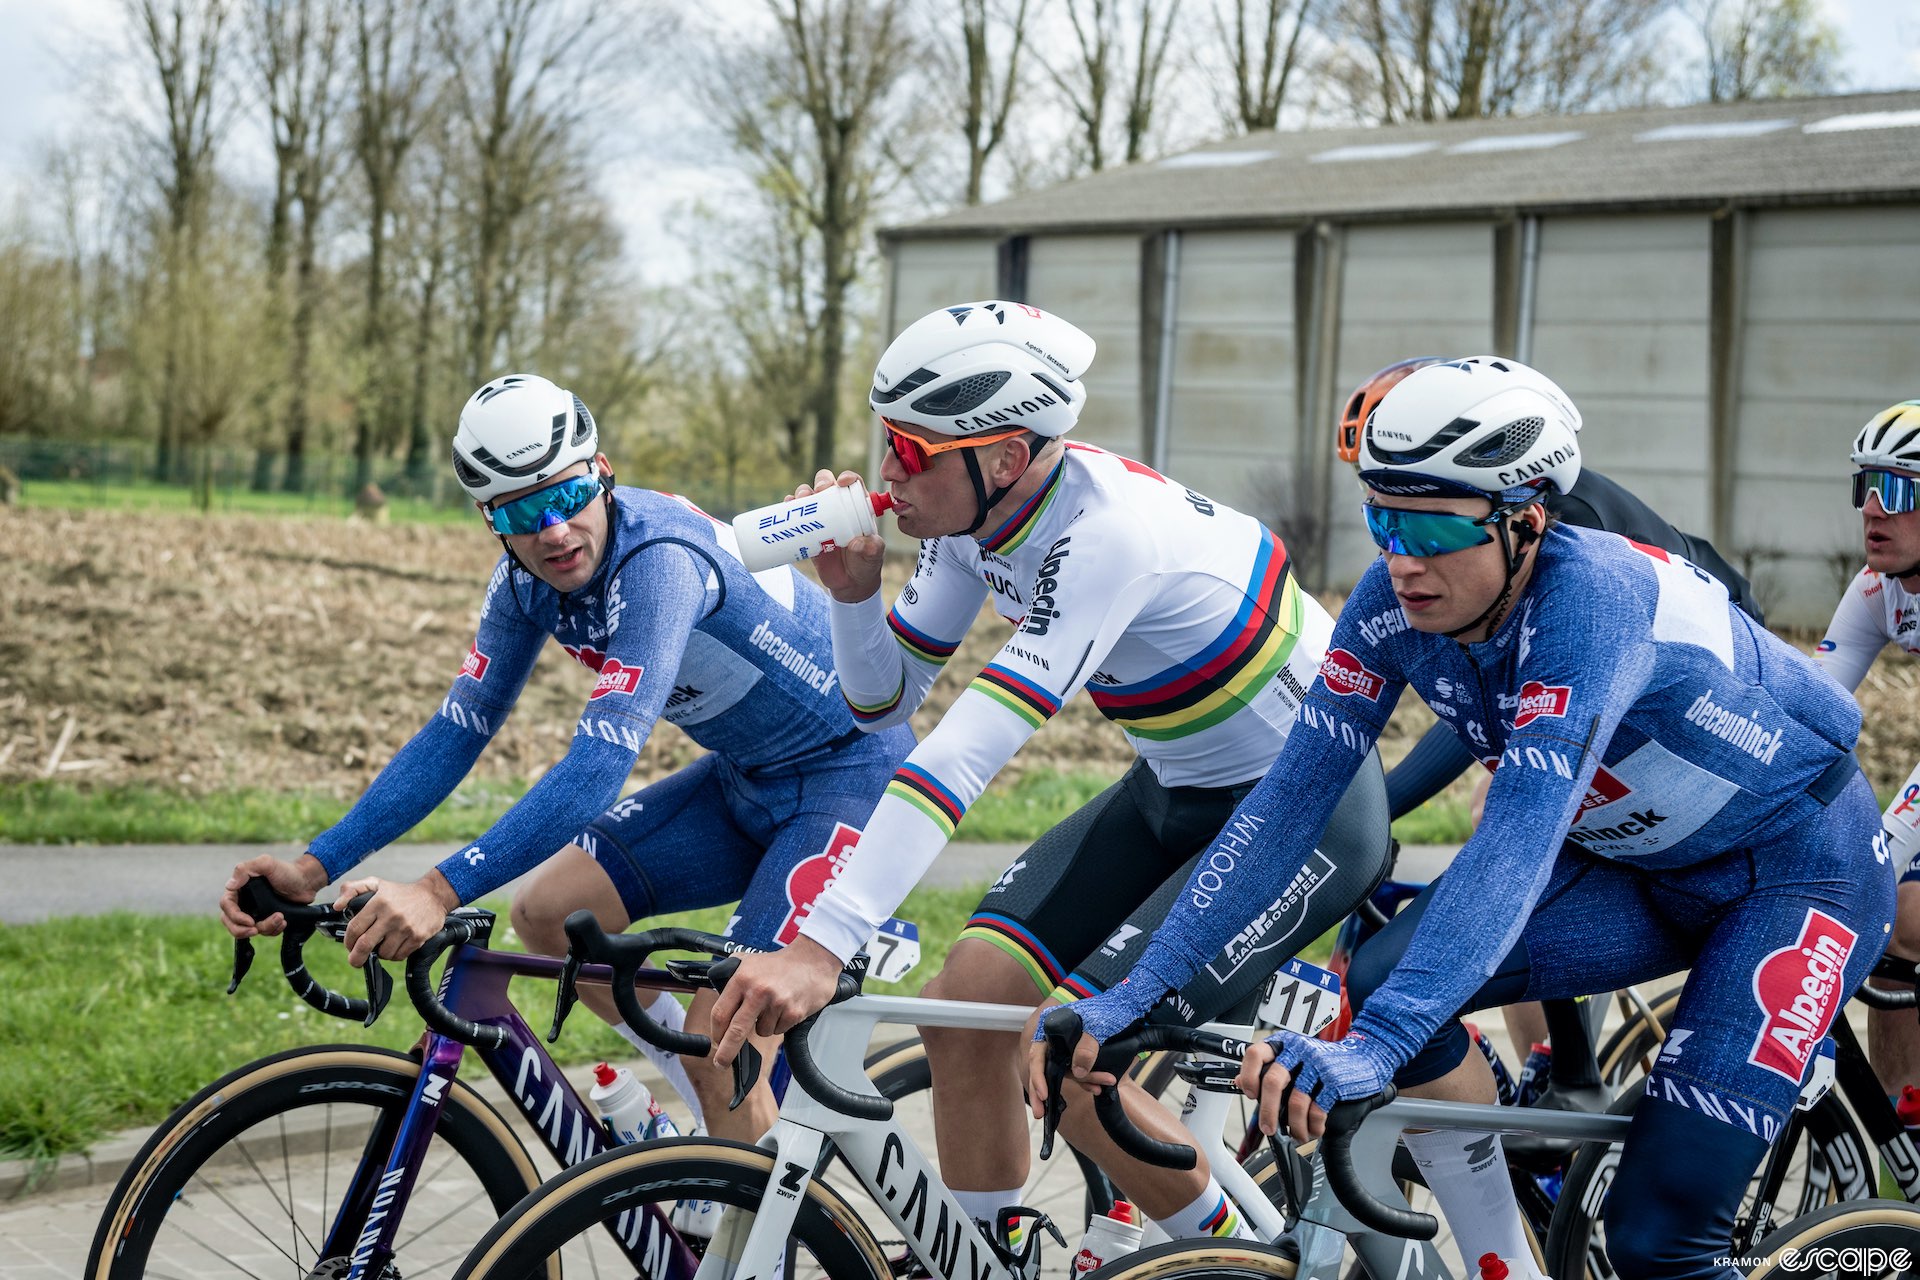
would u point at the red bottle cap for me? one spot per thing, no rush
(1541, 1046)
(1908, 1108)
(1491, 1268)
(1122, 1212)
(882, 502)
(604, 1074)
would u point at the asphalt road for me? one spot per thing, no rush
(78, 880)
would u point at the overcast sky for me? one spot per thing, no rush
(654, 170)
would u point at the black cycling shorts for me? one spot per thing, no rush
(1076, 909)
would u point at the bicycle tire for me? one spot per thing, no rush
(1859, 1224)
(581, 1199)
(218, 1123)
(1630, 1049)
(1831, 1139)
(1202, 1260)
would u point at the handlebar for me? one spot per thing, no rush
(258, 900)
(1895, 969)
(464, 927)
(1336, 1156)
(1062, 1031)
(626, 953)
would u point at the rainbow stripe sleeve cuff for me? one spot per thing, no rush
(929, 795)
(1017, 694)
(919, 643)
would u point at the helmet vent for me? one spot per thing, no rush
(912, 382)
(467, 473)
(582, 423)
(963, 396)
(1508, 445)
(1419, 453)
(1054, 387)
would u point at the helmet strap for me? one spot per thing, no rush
(983, 500)
(1495, 613)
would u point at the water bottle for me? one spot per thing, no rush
(1108, 1237)
(802, 528)
(1508, 1094)
(628, 1106)
(696, 1217)
(1535, 1074)
(1491, 1268)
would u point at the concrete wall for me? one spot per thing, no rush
(1831, 335)
(1231, 413)
(1094, 281)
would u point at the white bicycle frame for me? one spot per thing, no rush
(892, 1168)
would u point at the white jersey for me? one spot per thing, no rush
(1877, 611)
(1180, 617)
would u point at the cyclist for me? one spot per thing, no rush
(1699, 766)
(1594, 502)
(1882, 605)
(1181, 619)
(646, 591)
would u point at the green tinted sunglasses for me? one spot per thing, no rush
(1428, 533)
(558, 503)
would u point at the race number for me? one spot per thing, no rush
(896, 949)
(1301, 997)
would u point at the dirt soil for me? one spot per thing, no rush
(206, 653)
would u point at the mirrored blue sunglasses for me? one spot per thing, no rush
(1896, 492)
(1428, 533)
(558, 503)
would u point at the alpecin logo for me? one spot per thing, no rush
(1798, 988)
(1537, 700)
(1605, 789)
(475, 664)
(1347, 676)
(616, 677)
(811, 876)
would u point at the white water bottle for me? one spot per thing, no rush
(802, 528)
(1108, 1238)
(629, 1108)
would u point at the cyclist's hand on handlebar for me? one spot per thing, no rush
(296, 881)
(1267, 1082)
(851, 573)
(398, 918)
(770, 993)
(1083, 1074)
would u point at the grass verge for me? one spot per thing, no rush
(112, 1021)
(63, 813)
(84, 495)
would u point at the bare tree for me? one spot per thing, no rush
(1262, 43)
(1766, 48)
(990, 84)
(390, 92)
(181, 42)
(811, 130)
(1120, 46)
(1465, 59)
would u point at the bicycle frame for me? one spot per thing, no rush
(891, 1167)
(474, 986)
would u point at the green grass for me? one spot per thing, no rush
(63, 813)
(84, 495)
(113, 1021)
(1440, 820)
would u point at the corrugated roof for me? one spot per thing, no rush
(1805, 150)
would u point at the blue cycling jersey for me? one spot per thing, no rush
(675, 629)
(1624, 704)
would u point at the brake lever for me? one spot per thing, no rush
(242, 961)
(568, 994)
(379, 989)
(1059, 1057)
(746, 1074)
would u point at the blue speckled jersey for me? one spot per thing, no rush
(675, 629)
(1625, 706)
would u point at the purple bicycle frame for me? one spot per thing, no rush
(474, 986)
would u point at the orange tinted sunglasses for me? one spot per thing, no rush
(916, 455)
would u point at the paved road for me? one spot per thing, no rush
(70, 880)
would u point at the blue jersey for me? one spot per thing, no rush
(1624, 705)
(672, 627)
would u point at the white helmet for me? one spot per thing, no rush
(1484, 427)
(985, 366)
(517, 431)
(1891, 438)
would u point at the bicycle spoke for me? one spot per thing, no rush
(286, 1169)
(253, 1275)
(243, 1216)
(459, 1208)
(267, 1182)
